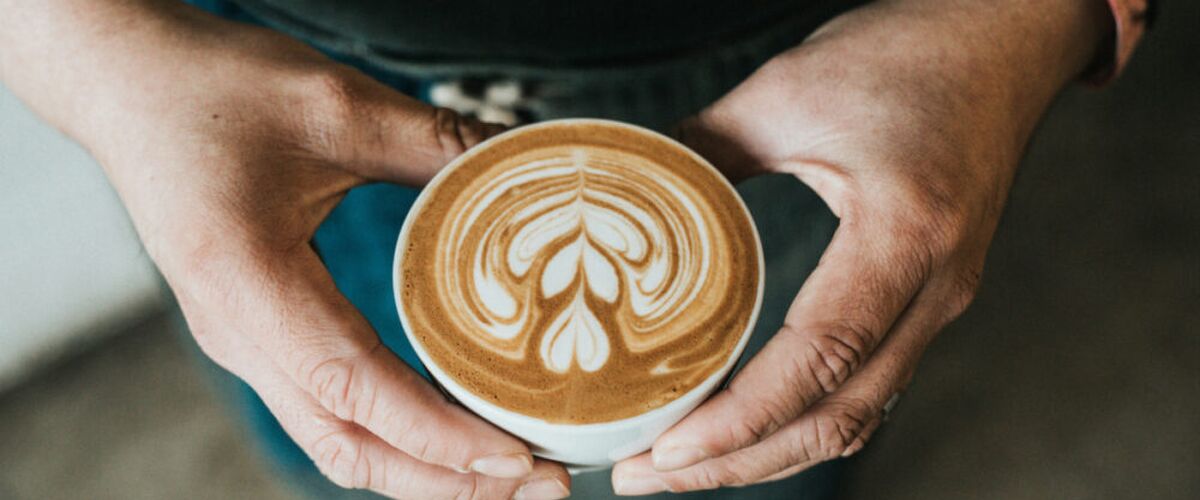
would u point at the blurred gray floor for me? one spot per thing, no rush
(1075, 375)
(134, 418)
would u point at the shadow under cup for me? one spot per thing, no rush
(585, 445)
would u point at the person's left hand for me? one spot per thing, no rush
(908, 120)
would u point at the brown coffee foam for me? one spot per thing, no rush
(511, 374)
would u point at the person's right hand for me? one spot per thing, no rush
(229, 145)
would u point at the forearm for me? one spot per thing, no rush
(75, 61)
(1050, 40)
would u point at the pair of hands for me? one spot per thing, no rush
(907, 117)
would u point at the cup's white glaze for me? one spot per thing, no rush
(596, 444)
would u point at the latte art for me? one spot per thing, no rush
(583, 277)
(597, 231)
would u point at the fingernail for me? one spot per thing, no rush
(643, 485)
(546, 488)
(509, 466)
(676, 458)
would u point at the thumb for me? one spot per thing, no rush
(387, 136)
(718, 139)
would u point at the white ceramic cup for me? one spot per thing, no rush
(587, 445)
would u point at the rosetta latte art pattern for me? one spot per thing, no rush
(564, 281)
(595, 232)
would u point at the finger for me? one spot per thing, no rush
(861, 285)
(417, 140)
(841, 423)
(382, 134)
(733, 136)
(352, 457)
(295, 315)
(705, 135)
(838, 425)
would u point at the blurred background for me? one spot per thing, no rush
(1076, 374)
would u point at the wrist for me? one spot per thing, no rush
(994, 64)
(76, 62)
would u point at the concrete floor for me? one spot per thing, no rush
(1075, 375)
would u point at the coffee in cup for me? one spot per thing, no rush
(579, 273)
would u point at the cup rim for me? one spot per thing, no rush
(460, 392)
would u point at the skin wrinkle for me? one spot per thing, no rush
(465, 134)
(826, 364)
(772, 414)
(811, 367)
(362, 470)
(421, 446)
(328, 455)
(469, 492)
(449, 134)
(331, 380)
(810, 445)
(709, 481)
(835, 434)
(410, 437)
(370, 393)
(371, 399)
(745, 430)
(851, 418)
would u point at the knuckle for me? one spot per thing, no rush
(469, 488)
(339, 456)
(333, 382)
(761, 413)
(420, 444)
(451, 131)
(333, 368)
(838, 427)
(706, 478)
(834, 353)
(747, 431)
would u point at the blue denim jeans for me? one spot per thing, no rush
(358, 239)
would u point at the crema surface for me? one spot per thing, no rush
(579, 273)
